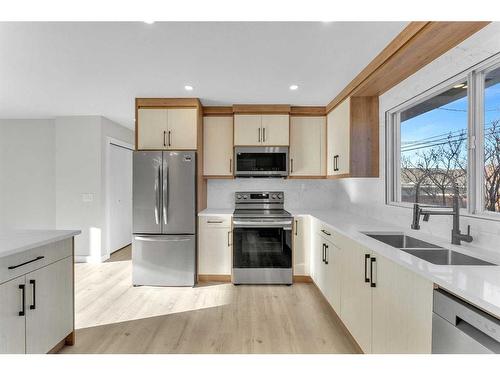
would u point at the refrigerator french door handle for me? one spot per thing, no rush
(165, 196)
(157, 196)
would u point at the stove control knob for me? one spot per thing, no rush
(245, 196)
(280, 196)
(238, 196)
(273, 196)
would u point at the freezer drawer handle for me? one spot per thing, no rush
(29, 261)
(33, 286)
(153, 239)
(23, 298)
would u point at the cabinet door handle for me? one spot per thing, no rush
(164, 138)
(325, 232)
(23, 299)
(326, 253)
(296, 225)
(215, 221)
(263, 134)
(372, 284)
(33, 300)
(259, 135)
(169, 138)
(367, 256)
(230, 165)
(229, 238)
(23, 264)
(323, 255)
(291, 165)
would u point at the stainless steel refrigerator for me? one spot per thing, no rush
(164, 218)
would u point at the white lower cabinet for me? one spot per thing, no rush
(401, 310)
(37, 308)
(386, 307)
(49, 316)
(12, 332)
(214, 245)
(301, 240)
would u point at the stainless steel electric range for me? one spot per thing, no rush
(262, 239)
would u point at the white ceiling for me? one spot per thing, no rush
(60, 69)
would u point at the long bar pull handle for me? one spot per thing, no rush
(367, 256)
(259, 135)
(169, 138)
(215, 221)
(291, 165)
(263, 134)
(372, 284)
(157, 197)
(165, 196)
(325, 232)
(33, 300)
(326, 253)
(28, 262)
(164, 138)
(296, 226)
(229, 239)
(323, 255)
(230, 165)
(23, 299)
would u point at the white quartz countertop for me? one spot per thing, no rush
(480, 285)
(216, 211)
(16, 241)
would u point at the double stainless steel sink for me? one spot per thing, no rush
(427, 251)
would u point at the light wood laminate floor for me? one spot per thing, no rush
(114, 317)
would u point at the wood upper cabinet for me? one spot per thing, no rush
(218, 146)
(307, 146)
(167, 128)
(261, 130)
(401, 310)
(352, 138)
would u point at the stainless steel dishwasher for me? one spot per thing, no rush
(460, 328)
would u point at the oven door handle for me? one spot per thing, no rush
(286, 225)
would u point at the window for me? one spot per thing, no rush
(446, 142)
(491, 172)
(433, 152)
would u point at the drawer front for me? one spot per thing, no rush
(220, 221)
(33, 259)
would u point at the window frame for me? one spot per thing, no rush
(474, 78)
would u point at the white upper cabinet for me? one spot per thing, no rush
(152, 129)
(167, 129)
(218, 146)
(275, 130)
(307, 146)
(247, 130)
(182, 127)
(339, 122)
(261, 130)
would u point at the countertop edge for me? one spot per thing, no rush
(58, 235)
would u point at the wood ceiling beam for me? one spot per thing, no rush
(417, 45)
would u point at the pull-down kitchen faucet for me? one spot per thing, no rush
(456, 235)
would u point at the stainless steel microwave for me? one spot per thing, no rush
(261, 161)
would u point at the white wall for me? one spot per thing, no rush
(27, 174)
(80, 172)
(368, 195)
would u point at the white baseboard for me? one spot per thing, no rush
(90, 259)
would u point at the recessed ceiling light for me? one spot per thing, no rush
(188, 88)
(149, 22)
(294, 87)
(460, 85)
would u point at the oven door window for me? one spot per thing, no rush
(254, 162)
(262, 248)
